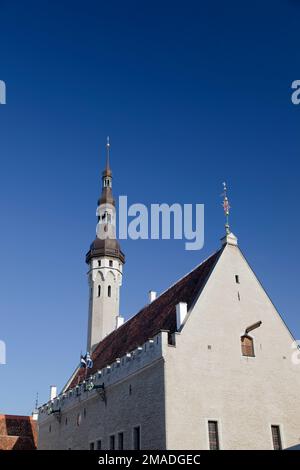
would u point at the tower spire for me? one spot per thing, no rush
(107, 171)
(105, 260)
(226, 208)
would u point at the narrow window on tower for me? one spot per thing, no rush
(99, 290)
(247, 346)
(237, 278)
(213, 435)
(99, 262)
(110, 263)
(276, 437)
(109, 291)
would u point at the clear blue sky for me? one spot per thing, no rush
(191, 93)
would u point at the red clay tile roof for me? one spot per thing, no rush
(157, 316)
(17, 433)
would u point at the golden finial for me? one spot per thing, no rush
(226, 208)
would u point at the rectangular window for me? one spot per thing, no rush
(99, 444)
(121, 441)
(92, 446)
(137, 438)
(276, 437)
(237, 278)
(213, 435)
(110, 263)
(112, 442)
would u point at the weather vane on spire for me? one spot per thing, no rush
(226, 208)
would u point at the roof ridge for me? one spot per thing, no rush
(160, 295)
(183, 277)
(155, 316)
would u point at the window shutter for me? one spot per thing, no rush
(247, 346)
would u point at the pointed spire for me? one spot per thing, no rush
(226, 208)
(106, 195)
(107, 171)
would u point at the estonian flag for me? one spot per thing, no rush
(83, 361)
(89, 362)
(86, 361)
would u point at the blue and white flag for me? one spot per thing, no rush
(86, 361)
(82, 361)
(89, 362)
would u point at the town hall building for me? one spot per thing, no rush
(207, 364)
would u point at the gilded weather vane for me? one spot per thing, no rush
(226, 208)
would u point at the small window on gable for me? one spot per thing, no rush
(99, 290)
(237, 278)
(110, 263)
(109, 291)
(247, 346)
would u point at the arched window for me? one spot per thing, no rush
(99, 290)
(109, 291)
(247, 346)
